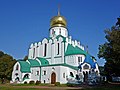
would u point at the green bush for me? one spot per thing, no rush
(38, 82)
(31, 82)
(25, 82)
(57, 83)
(70, 85)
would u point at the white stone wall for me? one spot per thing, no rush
(74, 43)
(34, 75)
(67, 71)
(16, 71)
(59, 70)
(58, 31)
(52, 54)
(73, 60)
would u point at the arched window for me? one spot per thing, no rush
(17, 67)
(58, 48)
(26, 76)
(71, 74)
(79, 59)
(45, 49)
(33, 52)
(59, 30)
(63, 75)
(86, 66)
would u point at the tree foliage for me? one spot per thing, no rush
(110, 51)
(25, 58)
(6, 65)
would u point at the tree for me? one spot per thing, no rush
(110, 51)
(6, 65)
(25, 58)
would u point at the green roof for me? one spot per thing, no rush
(74, 50)
(64, 39)
(25, 66)
(33, 63)
(43, 61)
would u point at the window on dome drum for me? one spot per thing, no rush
(44, 73)
(63, 75)
(17, 67)
(71, 74)
(58, 48)
(37, 72)
(53, 32)
(33, 52)
(45, 49)
(59, 30)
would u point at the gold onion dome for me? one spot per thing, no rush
(58, 21)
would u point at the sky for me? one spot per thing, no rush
(23, 22)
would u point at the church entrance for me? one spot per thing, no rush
(53, 78)
(85, 76)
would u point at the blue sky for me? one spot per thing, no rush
(23, 22)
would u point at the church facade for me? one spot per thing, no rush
(57, 58)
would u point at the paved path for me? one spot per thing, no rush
(43, 87)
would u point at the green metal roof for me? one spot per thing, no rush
(64, 39)
(34, 63)
(25, 66)
(43, 61)
(74, 50)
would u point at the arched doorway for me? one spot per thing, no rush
(53, 78)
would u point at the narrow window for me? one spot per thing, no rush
(63, 75)
(33, 52)
(53, 32)
(17, 67)
(60, 31)
(79, 59)
(44, 81)
(77, 77)
(32, 72)
(45, 49)
(58, 49)
(37, 72)
(71, 74)
(44, 73)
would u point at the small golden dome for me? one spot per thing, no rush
(58, 21)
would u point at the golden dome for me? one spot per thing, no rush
(58, 21)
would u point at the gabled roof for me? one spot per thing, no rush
(43, 61)
(64, 39)
(89, 60)
(34, 63)
(74, 50)
(25, 66)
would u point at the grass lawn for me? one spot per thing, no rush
(51, 87)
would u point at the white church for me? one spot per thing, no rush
(57, 58)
